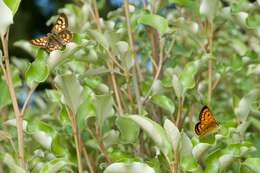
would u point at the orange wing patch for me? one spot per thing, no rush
(41, 41)
(61, 24)
(207, 122)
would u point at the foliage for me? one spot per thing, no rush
(126, 98)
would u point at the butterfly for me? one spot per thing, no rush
(57, 38)
(207, 122)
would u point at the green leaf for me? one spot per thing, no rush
(135, 167)
(186, 3)
(13, 5)
(6, 17)
(188, 74)
(71, 90)
(164, 102)
(253, 164)
(54, 166)
(243, 107)
(177, 86)
(129, 130)
(104, 108)
(188, 162)
(155, 21)
(58, 146)
(209, 8)
(43, 138)
(156, 132)
(99, 37)
(225, 161)
(10, 162)
(200, 149)
(173, 134)
(110, 138)
(37, 72)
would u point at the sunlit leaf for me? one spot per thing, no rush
(155, 21)
(155, 131)
(135, 167)
(6, 17)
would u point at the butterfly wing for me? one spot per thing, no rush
(64, 37)
(61, 24)
(53, 45)
(206, 122)
(41, 41)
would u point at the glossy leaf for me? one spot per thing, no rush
(164, 102)
(6, 19)
(13, 5)
(155, 21)
(155, 131)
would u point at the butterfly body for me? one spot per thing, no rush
(57, 38)
(207, 123)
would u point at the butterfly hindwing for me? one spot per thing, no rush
(64, 36)
(41, 41)
(53, 45)
(206, 122)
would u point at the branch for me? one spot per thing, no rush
(133, 54)
(18, 115)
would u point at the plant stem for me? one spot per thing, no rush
(179, 115)
(101, 144)
(157, 74)
(18, 115)
(210, 41)
(110, 65)
(28, 98)
(76, 138)
(85, 153)
(133, 54)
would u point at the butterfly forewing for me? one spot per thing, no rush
(41, 41)
(61, 24)
(206, 122)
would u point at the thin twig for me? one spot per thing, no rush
(179, 114)
(161, 58)
(110, 65)
(18, 115)
(210, 41)
(102, 147)
(133, 56)
(76, 138)
(85, 154)
(28, 98)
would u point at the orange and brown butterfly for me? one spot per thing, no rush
(57, 38)
(207, 123)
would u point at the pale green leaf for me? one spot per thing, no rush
(135, 167)
(156, 132)
(6, 17)
(71, 90)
